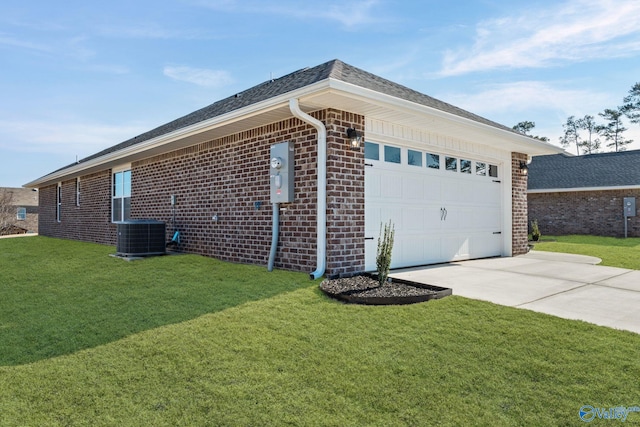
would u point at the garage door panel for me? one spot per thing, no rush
(432, 188)
(439, 215)
(486, 218)
(413, 189)
(467, 191)
(451, 246)
(431, 247)
(483, 245)
(372, 183)
(412, 252)
(432, 218)
(391, 187)
(486, 194)
(412, 219)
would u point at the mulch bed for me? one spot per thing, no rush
(365, 289)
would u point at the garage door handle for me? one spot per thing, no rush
(497, 232)
(369, 238)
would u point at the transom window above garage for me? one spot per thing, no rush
(427, 160)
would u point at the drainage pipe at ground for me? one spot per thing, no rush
(321, 204)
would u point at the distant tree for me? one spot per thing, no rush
(525, 129)
(571, 135)
(614, 128)
(592, 143)
(631, 107)
(6, 210)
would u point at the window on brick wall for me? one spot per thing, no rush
(77, 191)
(59, 202)
(22, 214)
(121, 196)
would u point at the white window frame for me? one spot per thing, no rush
(78, 191)
(59, 203)
(21, 215)
(124, 194)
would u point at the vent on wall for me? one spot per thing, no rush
(140, 237)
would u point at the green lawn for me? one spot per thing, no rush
(613, 251)
(185, 340)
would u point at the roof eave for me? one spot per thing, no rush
(508, 139)
(575, 189)
(501, 138)
(126, 154)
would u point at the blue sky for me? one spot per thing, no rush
(79, 76)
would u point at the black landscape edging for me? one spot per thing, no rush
(352, 297)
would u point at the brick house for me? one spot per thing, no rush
(18, 211)
(584, 194)
(449, 180)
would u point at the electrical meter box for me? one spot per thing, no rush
(281, 167)
(629, 206)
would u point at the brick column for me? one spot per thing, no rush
(519, 242)
(345, 196)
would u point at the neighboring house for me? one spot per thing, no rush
(449, 180)
(18, 210)
(585, 194)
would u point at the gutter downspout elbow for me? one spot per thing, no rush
(321, 228)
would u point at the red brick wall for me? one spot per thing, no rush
(345, 196)
(91, 221)
(227, 177)
(596, 213)
(519, 243)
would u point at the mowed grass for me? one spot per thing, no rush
(614, 252)
(58, 296)
(291, 356)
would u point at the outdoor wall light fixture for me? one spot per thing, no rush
(524, 168)
(355, 139)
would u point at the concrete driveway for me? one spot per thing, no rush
(567, 286)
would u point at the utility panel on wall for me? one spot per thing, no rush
(281, 172)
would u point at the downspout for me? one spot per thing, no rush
(321, 250)
(274, 236)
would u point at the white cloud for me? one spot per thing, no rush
(156, 31)
(199, 76)
(530, 95)
(23, 44)
(573, 31)
(543, 103)
(350, 14)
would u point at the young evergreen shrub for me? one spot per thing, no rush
(535, 231)
(385, 246)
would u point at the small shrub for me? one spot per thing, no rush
(535, 231)
(385, 246)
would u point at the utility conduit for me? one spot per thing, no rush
(274, 236)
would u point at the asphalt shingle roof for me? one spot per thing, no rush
(560, 171)
(335, 69)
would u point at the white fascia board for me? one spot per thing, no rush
(571, 190)
(522, 143)
(218, 121)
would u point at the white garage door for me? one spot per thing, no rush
(443, 207)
